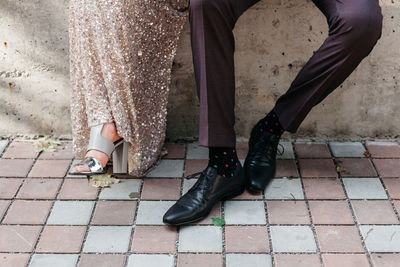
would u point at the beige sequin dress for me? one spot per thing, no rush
(121, 53)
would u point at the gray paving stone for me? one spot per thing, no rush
(104, 239)
(200, 239)
(187, 184)
(364, 188)
(194, 151)
(245, 212)
(284, 188)
(54, 260)
(382, 143)
(151, 212)
(293, 239)
(3, 144)
(75, 161)
(71, 212)
(126, 189)
(248, 260)
(288, 152)
(144, 260)
(381, 238)
(347, 149)
(168, 168)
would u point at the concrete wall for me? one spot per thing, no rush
(274, 39)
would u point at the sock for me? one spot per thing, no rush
(271, 124)
(224, 160)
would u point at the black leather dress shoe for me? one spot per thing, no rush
(260, 163)
(210, 188)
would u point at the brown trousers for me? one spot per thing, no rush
(354, 28)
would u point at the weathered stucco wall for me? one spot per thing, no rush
(274, 39)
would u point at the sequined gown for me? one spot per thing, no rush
(121, 53)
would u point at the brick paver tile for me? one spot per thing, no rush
(347, 149)
(330, 212)
(292, 239)
(345, 260)
(200, 239)
(194, 151)
(200, 260)
(323, 188)
(215, 213)
(246, 195)
(21, 212)
(384, 149)
(288, 152)
(161, 189)
(195, 165)
(338, 239)
(151, 212)
(71, 212)
(385, 260)
(3, 207)
(63, 151)
(175, 151)
(299, 260)
(286, 168)
(18, 238)
(246, 239)
(3, 145)
(78, 189)
(397, 205)
(244, 212)
(20, 150)
(51, 260)
(15, 167)
(114, 213)
(14, 260)
(374, 212)
(102, 260)
(284, 189)
(287, 212)
(355, 167)
(8, 187)
(393, 187)
(168, 168)
(103, 239)
(50, 168)
(142, 260)
(311, 168)
(388, 167)
(381, 238)
(39, 189)
(248, 260)
(312, 150)
(126, 189)
(154, 239)
(364, 188)
(61, 239)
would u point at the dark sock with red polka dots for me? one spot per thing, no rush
(271, 124)
(224, 160)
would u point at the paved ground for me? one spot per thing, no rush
(332, 204)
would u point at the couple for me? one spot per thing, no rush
(121, 58)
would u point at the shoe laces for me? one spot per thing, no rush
(271, 147)
(203, 181)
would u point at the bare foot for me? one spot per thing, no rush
(110, 132)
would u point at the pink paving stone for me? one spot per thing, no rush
(397, 205)
(101, 260)
(390, 150)
(161, 189)
(393, 187)
(330, 212)
(339, 239)
(323, 188)
(247, 195)
(18, 238)
(242, 149)
(246, 239)
(3, 207)
(317, 168)
(78, 189)
(374, 212)
(20, 150)
(175, 151)
(215, 213)
(385, 260)
(345, 260)
(114, 213)
(8, 187)
(154, 239)
(286, 168)
(14, 260)
(287, 212)
(355, 167)
(15, 167)
(21, 212)
(50, 168)
(195, 165)
(299, 260)
(39, 189)
(199, 260)
(312, 151)
(63, 151)
(61, 239)
(388, 167)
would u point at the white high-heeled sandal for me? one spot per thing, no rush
(118, 150)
